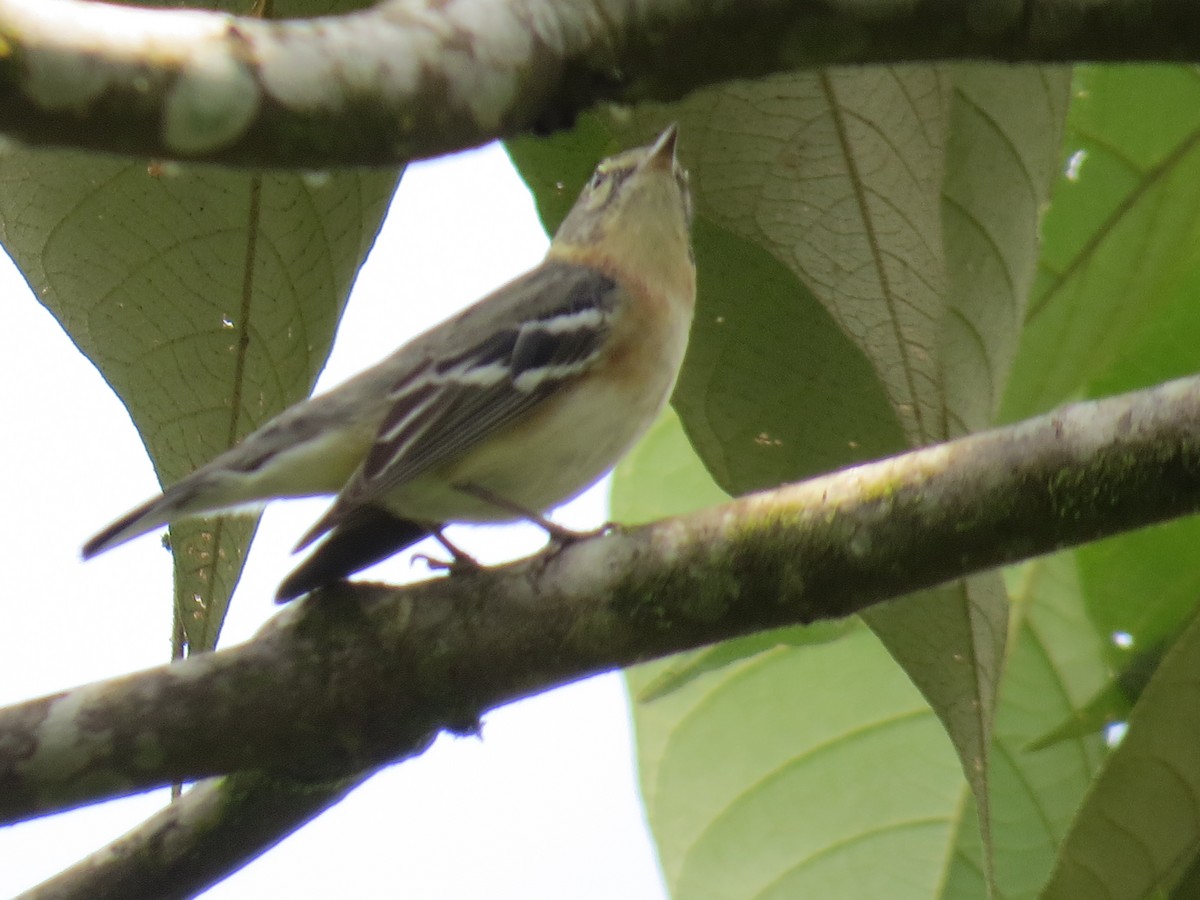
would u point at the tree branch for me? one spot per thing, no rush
(416, 78)
(210, 832)
(360, 675)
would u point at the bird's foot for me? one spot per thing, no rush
(460, 562)
(561, 536)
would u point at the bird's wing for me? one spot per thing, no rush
(495, 362)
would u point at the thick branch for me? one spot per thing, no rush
(416, 78)
(207, 834)
(360, 675)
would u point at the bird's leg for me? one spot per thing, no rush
(558, 534)
(460, 561)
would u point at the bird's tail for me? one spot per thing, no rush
(150, 515)
(365, 537)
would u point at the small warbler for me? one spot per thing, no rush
(517, 404)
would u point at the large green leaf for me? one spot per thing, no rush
(1004, 146)
(1122, 239)
(1056, 662)
(950, 640)
(773, 390)
(764, 780)
(838, 176)
(1139, 826)
(1143, 584)
(208, 300)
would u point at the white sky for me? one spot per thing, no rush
(544, 806)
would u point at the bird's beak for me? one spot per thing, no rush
(662, 154)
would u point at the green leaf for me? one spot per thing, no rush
(207, 299)
(1111, 703)
(838, 175)
(685, 667)
(1001, 158)
(662, 476)
(1056, 663)
(1108, 706)
(763, 779)
(950, 642)
(999, 151)
(772, 390)
(1122, 239)
(1139, 826)
(1144, 583)
(1187, 886)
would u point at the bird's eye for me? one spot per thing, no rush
(598, 178)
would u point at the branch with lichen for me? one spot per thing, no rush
(358, 676)
(210, 832)
(416, 78)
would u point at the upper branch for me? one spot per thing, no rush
(416, 78)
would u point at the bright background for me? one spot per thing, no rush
(545, 805)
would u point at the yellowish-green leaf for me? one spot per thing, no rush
(762, 781)
(1122, 238)
(207, 299)
(1005, 141)
(1056, 661)
(1139, 826)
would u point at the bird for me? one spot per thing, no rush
(515, 405)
